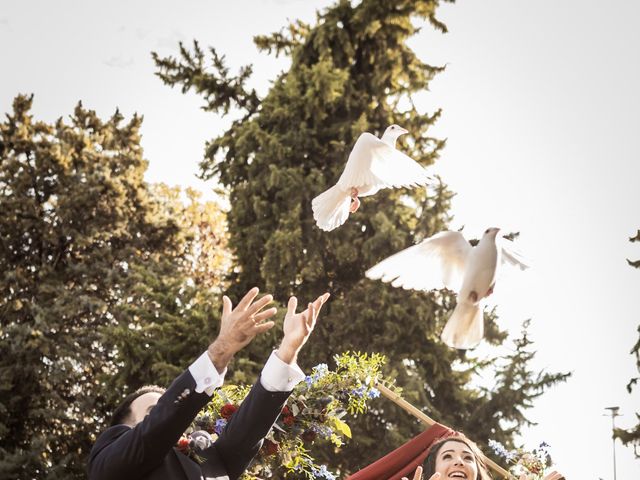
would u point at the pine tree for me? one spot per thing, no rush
(174, 308)
(352, 71)
(76, 220)
(632, 435)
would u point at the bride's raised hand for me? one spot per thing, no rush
(549, 476)
(418, 475)
(553, 476)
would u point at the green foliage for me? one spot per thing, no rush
(351, 71)
(106, 283)
(632, 435)
(316, 414)
(636, 263)
(76, 219)
(173, 307)
(516, 388)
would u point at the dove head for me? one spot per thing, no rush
(392, 133)
(491, 232)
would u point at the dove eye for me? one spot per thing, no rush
(487, 230)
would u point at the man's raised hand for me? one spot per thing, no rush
(297, 327)
(239, 326)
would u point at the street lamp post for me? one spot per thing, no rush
(614, 413)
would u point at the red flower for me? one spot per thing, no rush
(269, 448)
(227, 410)
(289, 420)
(183, 444)
(211, 428)
(285, 411)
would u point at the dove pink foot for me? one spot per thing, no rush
(355, 204)
(490, 291)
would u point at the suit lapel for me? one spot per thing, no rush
(191, 468)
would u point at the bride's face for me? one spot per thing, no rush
(455, 460)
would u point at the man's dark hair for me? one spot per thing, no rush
(123, 411)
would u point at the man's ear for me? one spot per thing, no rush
(129, 420)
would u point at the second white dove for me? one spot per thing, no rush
(448, 260)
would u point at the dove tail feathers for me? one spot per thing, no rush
(331, 208)
(465, 327)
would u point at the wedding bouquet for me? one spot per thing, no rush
(530, 465)
(315, 412)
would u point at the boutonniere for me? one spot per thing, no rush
(192, 443)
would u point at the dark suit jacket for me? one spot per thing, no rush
(146, 451)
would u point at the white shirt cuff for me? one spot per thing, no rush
(278, 376)
(206, 375)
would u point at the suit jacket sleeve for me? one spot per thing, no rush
(242, 438)
(123, 452)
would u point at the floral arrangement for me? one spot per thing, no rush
(315, 412)
(524, 464)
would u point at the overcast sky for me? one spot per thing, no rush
(540, 103)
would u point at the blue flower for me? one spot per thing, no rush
(322, 430)
(499, 449)
(220, 424)
(308, 380)
(544, 448)
(322, 472)
(359, 392)
(373, 393)
(319, 371)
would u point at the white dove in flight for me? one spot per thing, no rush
(373, 164)
(447, 259)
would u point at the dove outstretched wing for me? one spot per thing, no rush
(510, 256)
(396, 169)
(437, 261)
(373, 165)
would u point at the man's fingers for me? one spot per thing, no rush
(292, 305)
(248, 298)
(320, 301)
(317, 303)
(226, 306)
(263, 327)
(259, 304)
(311, 315)
(259, 317)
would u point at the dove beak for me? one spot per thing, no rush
(403, 131)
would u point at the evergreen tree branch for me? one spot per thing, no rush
(220, 90)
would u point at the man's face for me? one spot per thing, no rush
(141, 407)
